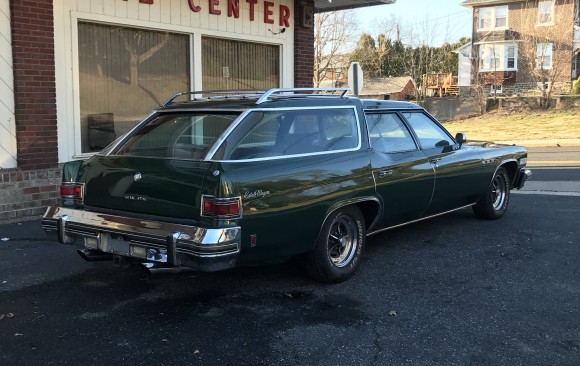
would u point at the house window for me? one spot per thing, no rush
(545, 12)
(485, 18)
(511, 58)
(493, 18)
(501, 17)
(490, 58)
(498, 57)
(124, 73)
(544, 56)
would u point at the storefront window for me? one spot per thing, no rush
(229, 64)
(124, 73)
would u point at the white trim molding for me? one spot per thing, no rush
(8, 148)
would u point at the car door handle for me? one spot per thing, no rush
(434, 161)
(385, 173)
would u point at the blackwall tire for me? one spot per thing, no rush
(494, 203)
(339, 247)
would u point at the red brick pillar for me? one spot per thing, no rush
(34, 83)
(303, 48)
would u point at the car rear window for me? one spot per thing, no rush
(180, 136)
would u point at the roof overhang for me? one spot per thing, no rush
(322, 6)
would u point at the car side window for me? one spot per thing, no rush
(388, 133)
(430, 135)
(302, 131)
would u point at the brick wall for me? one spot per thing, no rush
(25, 191)
(531, 88)
(24, 195)
(303, 49)
(34, 83)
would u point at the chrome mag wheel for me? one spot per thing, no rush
(498, 192)
(339, 246)
(342, 241)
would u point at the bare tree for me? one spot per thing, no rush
(479, 85)
(334, 33)
(133, 45)
(422, 57)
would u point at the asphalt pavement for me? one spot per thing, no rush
(449, 291)
(453, 290)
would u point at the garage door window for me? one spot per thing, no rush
(231, 64)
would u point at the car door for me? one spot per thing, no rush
(459, 172)
(404, 177)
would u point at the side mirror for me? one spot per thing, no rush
(461, 138)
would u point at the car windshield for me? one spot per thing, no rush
(179, 136)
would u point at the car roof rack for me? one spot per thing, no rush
(263, 95)
(219, 94)
(301, 92)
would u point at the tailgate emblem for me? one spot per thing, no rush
(137, 177)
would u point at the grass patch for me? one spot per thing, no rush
(519, 126)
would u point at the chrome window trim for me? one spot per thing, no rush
(221, 138)
(213, 150)
(287, 156)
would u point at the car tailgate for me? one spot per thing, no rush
(161, 187)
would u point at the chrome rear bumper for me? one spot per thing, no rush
(173, 245)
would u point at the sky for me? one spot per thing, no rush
(432, 21)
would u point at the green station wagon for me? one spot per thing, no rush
(232, 179)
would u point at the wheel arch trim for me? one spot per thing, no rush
(356, 202)
(511, 166)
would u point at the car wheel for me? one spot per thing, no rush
(495, 201)
(339, 246)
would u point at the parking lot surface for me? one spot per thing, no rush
(452, 290)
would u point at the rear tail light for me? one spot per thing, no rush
(71, 190)
(72, 193)
(221, 208)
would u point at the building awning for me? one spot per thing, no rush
(322, 6)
